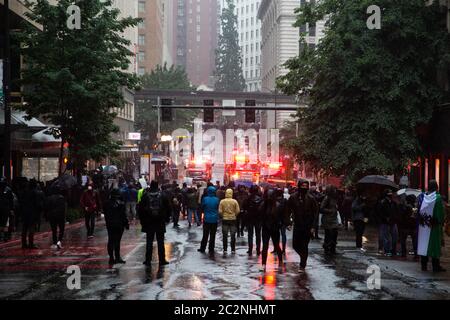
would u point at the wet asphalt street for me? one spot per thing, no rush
(41, 273)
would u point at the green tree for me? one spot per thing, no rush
(164, 78)
(73, 77)
(367, 90)
(228, 72)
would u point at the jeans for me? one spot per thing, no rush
(229, 226)
(240, 225)
(380, 238)
(403, 236)
(275, 235)
(256, 227)
(114, 238)
(330, 241)
(131, 210)
(436, 263)
(89, 219)
(390, 236)
(209, 230)
(192, 212)
(161, 248)
(55, 224)
(360, 226)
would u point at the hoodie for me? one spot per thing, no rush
(210, 206)
(229, 207)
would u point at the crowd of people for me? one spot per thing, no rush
(264, 213)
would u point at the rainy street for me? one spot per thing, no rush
(41, 273)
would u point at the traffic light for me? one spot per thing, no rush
(166, 113)
(250, 114)
(208, 113)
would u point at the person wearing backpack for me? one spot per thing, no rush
(55, 212)
(154, 213)
(116, 221)
(252, 209)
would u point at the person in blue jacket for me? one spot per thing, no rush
(210, 207)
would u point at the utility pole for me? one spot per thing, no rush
(158, 135)
(6, 92)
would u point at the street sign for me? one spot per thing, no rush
(134, 136)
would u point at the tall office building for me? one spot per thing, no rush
(168, 18)
(280, 42)
(150, 38)
(195, 39)
(249, 31)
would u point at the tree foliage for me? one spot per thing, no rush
(228, 72)
(73, 78)
(164, 78)
(367, 90)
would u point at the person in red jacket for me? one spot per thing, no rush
(90, 203)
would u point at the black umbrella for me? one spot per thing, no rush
(109, 170)
(65, 182)
(377, 180)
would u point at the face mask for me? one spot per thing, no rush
(89, 188)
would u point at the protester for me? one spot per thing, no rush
(130, 197)
(116, 221)
(318, 196)
(229, 210)
(359, 218)
(55, 211)
(240, 197)
(6, 209)
(329, 211)
(431, 219)
(304, 209)
(184, 192)
(252, 210)
(407, 224)
(177, 201)
(90, 202)
(346, 209)
(387, 210)
(273, 210)
(31, 209)
(192, 206)
(210, 206)
(154, 213)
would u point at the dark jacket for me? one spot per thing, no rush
(32, 205)
(192, 199)
(6, 205)
(55, 207)
(115, 214)
(273, 214)
(328, 208)
(210, 206)
(158, 222)
(90, 200)
(304, 211)
(252, 208)
(359, 209)
(386, 211)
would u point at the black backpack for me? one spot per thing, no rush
(153, 204)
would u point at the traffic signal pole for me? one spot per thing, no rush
(6, 92)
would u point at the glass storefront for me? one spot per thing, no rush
(41, 169)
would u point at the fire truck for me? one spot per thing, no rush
(241, 171)
(275, 173)
(198, 170)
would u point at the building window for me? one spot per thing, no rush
(141, 71)
(141, 40)
(141, 24)
(198, 38)
(141, 6)
(141, 56)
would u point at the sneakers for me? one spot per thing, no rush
(301, 269)
(120, 261)
(388, 254)
(362, 250)
(59, 245)
(91, 237)
(233, 252)
(201, 251)
(54, 246)
(111, 261)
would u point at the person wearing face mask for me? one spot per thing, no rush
(90, 202)
(305, 211)
(329, 211)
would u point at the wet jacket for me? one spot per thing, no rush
(115, 214)
(358, 209)
(90, 200)
(252, 208)
(148, 221)
(328, 208)
(387, 211)
(210, 206)
(192, 200)
(304, 211)
(273, 214)
(6, 205)
(229, 207)
(32, 205)
(55, 207)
